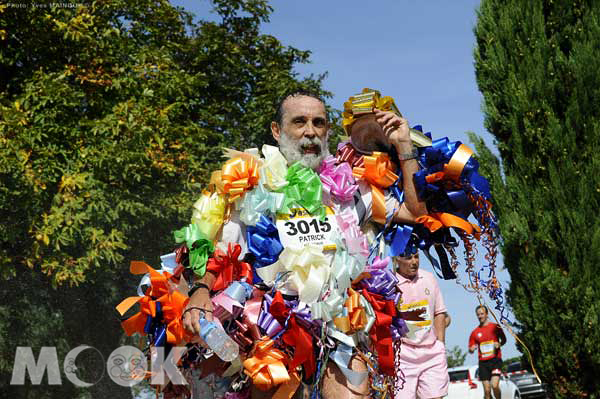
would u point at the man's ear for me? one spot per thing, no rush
(275, 131)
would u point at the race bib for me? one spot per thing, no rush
(299, 228)
(486, 348)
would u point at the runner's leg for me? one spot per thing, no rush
(335, 385)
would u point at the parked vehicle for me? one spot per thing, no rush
(465, 384)
(526, 381)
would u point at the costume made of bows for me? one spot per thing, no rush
(298, 282)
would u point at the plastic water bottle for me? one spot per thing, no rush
(218, 340)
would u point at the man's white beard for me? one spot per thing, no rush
(292, 150)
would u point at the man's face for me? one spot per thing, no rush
(481, 315)
(302, 135)
(408, 266)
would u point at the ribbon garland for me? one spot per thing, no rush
(338, 309)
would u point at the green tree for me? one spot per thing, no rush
(111, 116)
(537, 65)
(455, 356)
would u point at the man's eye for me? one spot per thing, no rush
(319, 123)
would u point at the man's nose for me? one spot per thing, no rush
(310, 130)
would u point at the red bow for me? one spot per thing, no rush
(295, 336)
(381, 333)
(228, 267)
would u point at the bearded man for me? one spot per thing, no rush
(301, 129)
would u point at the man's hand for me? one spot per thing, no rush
(472, 348)
(395, 128)
(497, 345)
(199, 303)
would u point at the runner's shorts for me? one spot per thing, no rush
(425, 371)
(490, 367)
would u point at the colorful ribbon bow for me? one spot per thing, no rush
(378, 171)
(263, 242)
(228, 267)
(364, 103)
(337, 179)
(381, 333)
(304, 189)
(239, 175)
(274, 170)
(347, 153)
(267, 367)
(295, 336)
(208, 213)
(355, 317)
(258, 202)
(308, 267)
(199, 247)
(171, 302)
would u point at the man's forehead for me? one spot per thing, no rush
(303, 106)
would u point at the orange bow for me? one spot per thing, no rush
(267, 365)
(172, 307)
(357, 317)
(239, 175)
(172, 301)
(228, 267)
(379, 172)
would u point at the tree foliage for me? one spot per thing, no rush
(111, 116)
(455, 356)
(537, 66)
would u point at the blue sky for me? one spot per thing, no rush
(420, 53)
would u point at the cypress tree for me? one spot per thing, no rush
(537, 65)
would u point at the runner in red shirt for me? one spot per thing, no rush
(488, 338)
